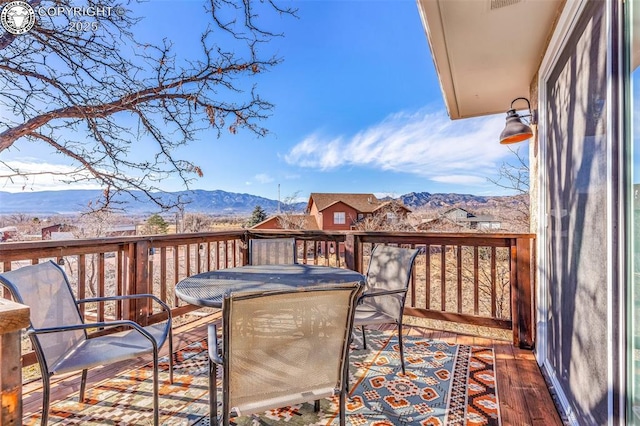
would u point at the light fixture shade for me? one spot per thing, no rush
(515, 130)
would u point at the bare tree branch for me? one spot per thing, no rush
(93, 95)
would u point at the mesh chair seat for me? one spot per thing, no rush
(371, 316)
(285, 400)
(109, 349)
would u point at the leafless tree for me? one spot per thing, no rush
(393, 217)
(196, 222)
(289, 217)
(92, 94)
(515, 177)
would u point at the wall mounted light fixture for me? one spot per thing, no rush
(515, 130)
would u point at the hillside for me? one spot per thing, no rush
(215, 202)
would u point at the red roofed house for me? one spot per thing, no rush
(335, 211)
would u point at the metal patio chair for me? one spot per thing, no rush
(272, 251)
(281, 348)
(59, 334)
(385, 291)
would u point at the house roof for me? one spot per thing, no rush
(454, 209)
(394, 203)
(304, 221)
(487, 52)
(363, 203)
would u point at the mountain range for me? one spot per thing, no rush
(215, 202)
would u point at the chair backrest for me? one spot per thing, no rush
(45, 289)
(286, 347)
(272, 251)
(389, 269)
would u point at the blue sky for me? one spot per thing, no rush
(358, 108)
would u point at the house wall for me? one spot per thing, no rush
(327, 217)
(313, 211)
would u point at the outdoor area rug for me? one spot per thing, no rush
(445, 384)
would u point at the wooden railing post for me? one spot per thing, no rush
(353, 252)
(140, 281)
(13, 318)
(244, 248)
(522, 293)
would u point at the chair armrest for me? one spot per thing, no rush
(383, 292)
(212, 337)
(86, 326)
(126, 297)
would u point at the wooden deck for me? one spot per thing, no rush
(522, 392)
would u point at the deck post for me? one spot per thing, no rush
(142, 284)
(522, 293)
(244, 248)
(353, 252)
(13, 318)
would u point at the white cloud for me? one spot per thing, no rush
(263, 178)
(423, 143)
(460, 179)
(41, 176)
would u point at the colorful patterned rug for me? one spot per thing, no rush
(445, 384)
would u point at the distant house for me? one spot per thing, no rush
(58, 231)
(456, 214)
(8, 233)
(469, 220)
(121, 231)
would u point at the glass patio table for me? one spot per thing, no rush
(208, 289)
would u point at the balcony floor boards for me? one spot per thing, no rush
(522, 392)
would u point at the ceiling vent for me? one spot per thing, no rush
(497, 4)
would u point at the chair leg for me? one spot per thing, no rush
(401, 346)
(46, 392)
(171, 355)
(316, 405)
(342, 408)
(156, 389)
(213, 394)
(83, 385)
(364, 338)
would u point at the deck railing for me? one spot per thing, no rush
(481, 279)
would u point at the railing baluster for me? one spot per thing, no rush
(476, 281)
(188, 260)
(493, 282)
(120, 270)
(427, 274)
(163, 274)
(459, 276)
(82, 277)
(101, 270)
(443, 282)
(176, 272)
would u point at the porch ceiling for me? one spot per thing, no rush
(486, 52)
